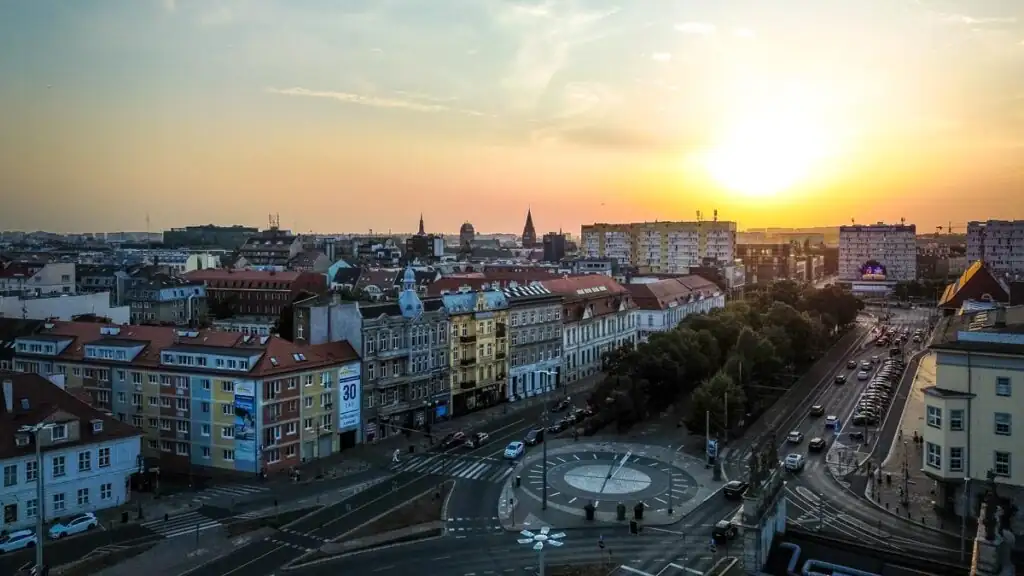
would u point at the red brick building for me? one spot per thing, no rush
(256, 292)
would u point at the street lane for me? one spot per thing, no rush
(72, 549)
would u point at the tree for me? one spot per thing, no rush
(223, 308)
(721, 399)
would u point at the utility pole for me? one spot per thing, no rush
(670, 487)
(905, 498)
(40, 501)
(964, 507)
(707, 436)
(544, 441)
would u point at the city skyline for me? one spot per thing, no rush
(364, 114)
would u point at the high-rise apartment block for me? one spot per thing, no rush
(666, 247)
(893, 247)
(999, 243)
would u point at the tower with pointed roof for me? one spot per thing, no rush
(409, 301)
(422, 232)
(529, 234)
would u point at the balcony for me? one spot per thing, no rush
(501, 356)
(467, 339)
(392, 353)
(467, 361)
(467, 384)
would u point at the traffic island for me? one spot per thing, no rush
(248, 525)
(418, 519)
(96, 563)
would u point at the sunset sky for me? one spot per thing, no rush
(347, 115)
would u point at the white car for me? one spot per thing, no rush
(794, 462)
(795, 437)
(514, 450)
(865, 365)
(831, 421)
(18, 541)
(862, 375)
(74, 525)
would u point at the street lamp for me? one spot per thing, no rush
(538, 541)
(40, 496)
(544, 441)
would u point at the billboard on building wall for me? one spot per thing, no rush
(349, 397)
(245, 424)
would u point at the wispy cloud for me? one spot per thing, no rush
(701, 28)
(661, 57)
(743, 33)
(975, 21)
(402, 100)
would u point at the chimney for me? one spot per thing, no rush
(9, 396)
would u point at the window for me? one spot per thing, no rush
(956, 459)
(31, 508)
(205, 430)
(933, 455)
(308, 401)
(1002, 386)
(10, 475)
(83, 497)
(137, 421)
(227, 409)
(106, 491)
(85, 461)
(1003, 424)
(58, 432)
(58, 502)
(228, 455)
(206, 452)
(227, 386)
(58, 466)
(31, 471)
(205, 407)
(934, 417)
(227, 432)
(1002, 464)
(956, 420)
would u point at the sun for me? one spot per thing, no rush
(768, 151)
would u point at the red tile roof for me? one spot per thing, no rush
(35, 399)
(681, 290)
(491, 278)
(599, 293)
(158, 338)
(575, 285)
(224, 274)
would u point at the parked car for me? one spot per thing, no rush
(794, 462)
(453, 439)
(563, 405)
(74, 525)
(795, 437)
(857, 435)
(559, 426)
(817, 410)
(18, 540)
(723, 531)
(514, 450)
(817, 444)
(734, 489)
(535, 436)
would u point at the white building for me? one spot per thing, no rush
(37, 279)
(63, 307)
(893, 246)
(87, 456)
(662, 304)
(999, 243)
(597, 317)
(970, 411)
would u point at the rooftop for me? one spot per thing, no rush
(35, 399)
(670, 292)
(998, 331)
(222, 274)
(583, 286)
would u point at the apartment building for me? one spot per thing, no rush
(272, 248)
(255, 293)
(662, 305)
(971, 410)
(767, 262)
(661, 247)
(87, 456)
(37, 278)
(597, 317)
(535, 340)
(999, 243)
(878, 251)
(206, 401)
(479, 349)
(405, 362)
(164, 300)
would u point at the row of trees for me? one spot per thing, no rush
(733, 362)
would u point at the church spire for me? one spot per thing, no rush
(529, 233)
(421, 232)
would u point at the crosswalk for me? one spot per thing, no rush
(180, 524)
(228, 491)
(485, 469)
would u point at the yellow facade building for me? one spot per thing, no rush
(661, 247)
(479, 349)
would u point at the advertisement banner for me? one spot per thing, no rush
(245, 422)
(350, 397)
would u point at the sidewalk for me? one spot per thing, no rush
(905, 454)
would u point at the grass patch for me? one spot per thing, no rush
(426, 508)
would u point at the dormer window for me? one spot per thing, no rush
(97, 426)
(21, 440)
(58, 432)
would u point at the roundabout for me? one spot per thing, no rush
(605, 478)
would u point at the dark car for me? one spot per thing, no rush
(856, 436)
(559, 426)
(724, 531)
(851, 365)
(817, 445)
(534, 437)
(453, 439)
(735, 489)
(840, 379)
(817, 410)
(478, 439)
(563, 405)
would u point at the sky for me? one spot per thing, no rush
(358, 115)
